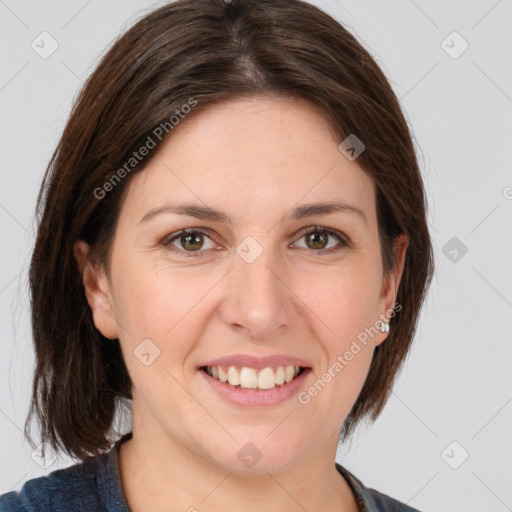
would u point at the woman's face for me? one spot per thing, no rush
(248, 283)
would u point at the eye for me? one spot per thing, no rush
(191, 241)
(317, 238)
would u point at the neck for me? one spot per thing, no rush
(157, 470)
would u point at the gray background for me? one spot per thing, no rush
(456, 385)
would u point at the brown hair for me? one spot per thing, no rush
(210, 51)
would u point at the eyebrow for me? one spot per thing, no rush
(214, 215)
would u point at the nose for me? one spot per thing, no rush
(259, 301)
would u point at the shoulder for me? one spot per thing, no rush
(383, 502)
(72, 488)
(371, 500)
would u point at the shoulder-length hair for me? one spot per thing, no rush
(197, 52)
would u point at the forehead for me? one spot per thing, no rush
(251, 157)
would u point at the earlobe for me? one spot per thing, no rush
(387, 302)
(97, 290)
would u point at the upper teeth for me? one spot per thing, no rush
(251, 378)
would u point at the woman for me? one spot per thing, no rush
(232, 240)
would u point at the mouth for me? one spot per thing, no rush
(244, 377)
(250, 380)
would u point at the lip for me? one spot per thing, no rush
(257, 363)
(254, 397)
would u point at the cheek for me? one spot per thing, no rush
(162, 314)
(346, 301)
(345, 298)
(153, 298)
(163, 305)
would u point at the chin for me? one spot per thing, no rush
(256, 454)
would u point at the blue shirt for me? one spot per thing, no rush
(95, 485)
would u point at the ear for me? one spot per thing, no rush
(390, 284)
(97, 291)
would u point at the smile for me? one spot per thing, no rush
(251, 378)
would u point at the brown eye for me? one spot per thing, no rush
(191, 242)
(188, 242)
(318, 238)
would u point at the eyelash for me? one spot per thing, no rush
(167, 242)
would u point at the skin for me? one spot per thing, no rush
(254, 159)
